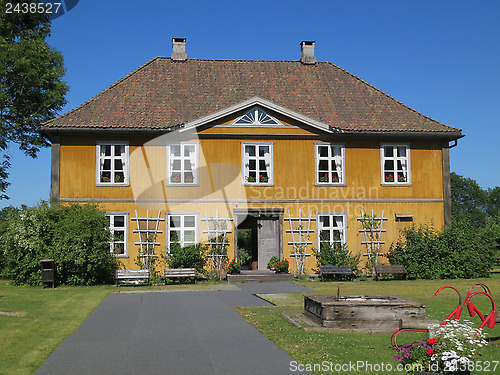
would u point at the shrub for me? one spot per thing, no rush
(192, 256)
(232, 267)
(336, 255)
(458, 251)
(75, 236)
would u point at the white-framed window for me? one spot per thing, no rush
(395, 164)
(331, 228)
(182, 228)
(112, 163)
(257, 163)
(330, 163)
(118, 228)
(182, 163)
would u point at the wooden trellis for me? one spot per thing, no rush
(147, 229)
(300, 238)
(372, 229)
(217, 230)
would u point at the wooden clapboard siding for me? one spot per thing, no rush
(294, 182)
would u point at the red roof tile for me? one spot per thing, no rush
(164, 93)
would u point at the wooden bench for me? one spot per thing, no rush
(171, 273)
(389, 268)
(123, 276)
(336, 270)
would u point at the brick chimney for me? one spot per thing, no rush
(179, 49)
(307, 49)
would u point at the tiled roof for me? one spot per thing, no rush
(164, 93)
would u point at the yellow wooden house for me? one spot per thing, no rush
(296, 153)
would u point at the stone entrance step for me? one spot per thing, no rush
(259, 276)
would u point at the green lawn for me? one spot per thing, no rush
(42, 318)
(45, 317)
(326, 349)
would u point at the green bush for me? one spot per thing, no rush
(336, 255)
(192, 256)
(75, 236)
(460, 251)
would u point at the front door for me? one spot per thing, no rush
(267, 239)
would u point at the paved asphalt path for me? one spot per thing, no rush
(186, 332)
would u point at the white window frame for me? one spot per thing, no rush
(112, 229)
(395, 159)
(245, 164)
(342, 230)
(182, 228)
(339, 162)
(100, 163)
(194, 159)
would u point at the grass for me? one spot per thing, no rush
(43, 318)
(40, 319)
(326, 349)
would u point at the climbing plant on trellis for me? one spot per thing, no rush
(300, 228)
(217, 230)
(372, 229)
(147, 229)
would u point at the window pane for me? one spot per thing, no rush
(335, 235)
(336, 151)
(250, 150)
(263, 150)
(262, 165)
(402, 151)
(323, 177)
(175, 150)
(105, 177)
(325, 221)
(176, 165)
(323, 165)
(119, 221)
(252, 176)
(189, 150)
(324, 236)
(263, 177)
(388, 151)
(106, 165)
(252, 165)
(188, 177)
(106, 150)
(174, 236)
(119, 150)
(189, 235)
(333, 165)
(323, 151)
(118, 165)
(187, 165)
(118, 235)
(119, 177)
(389, 165)
(189, 221)
(175, 221)
(119, 249)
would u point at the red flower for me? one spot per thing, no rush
(430, 351)
(432, 341)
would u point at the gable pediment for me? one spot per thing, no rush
(257, 112)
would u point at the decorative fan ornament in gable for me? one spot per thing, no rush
(256, 116)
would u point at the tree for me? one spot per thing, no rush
(468, 200)
(494, 203)
(31, 86)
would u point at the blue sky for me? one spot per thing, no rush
(441, 58)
